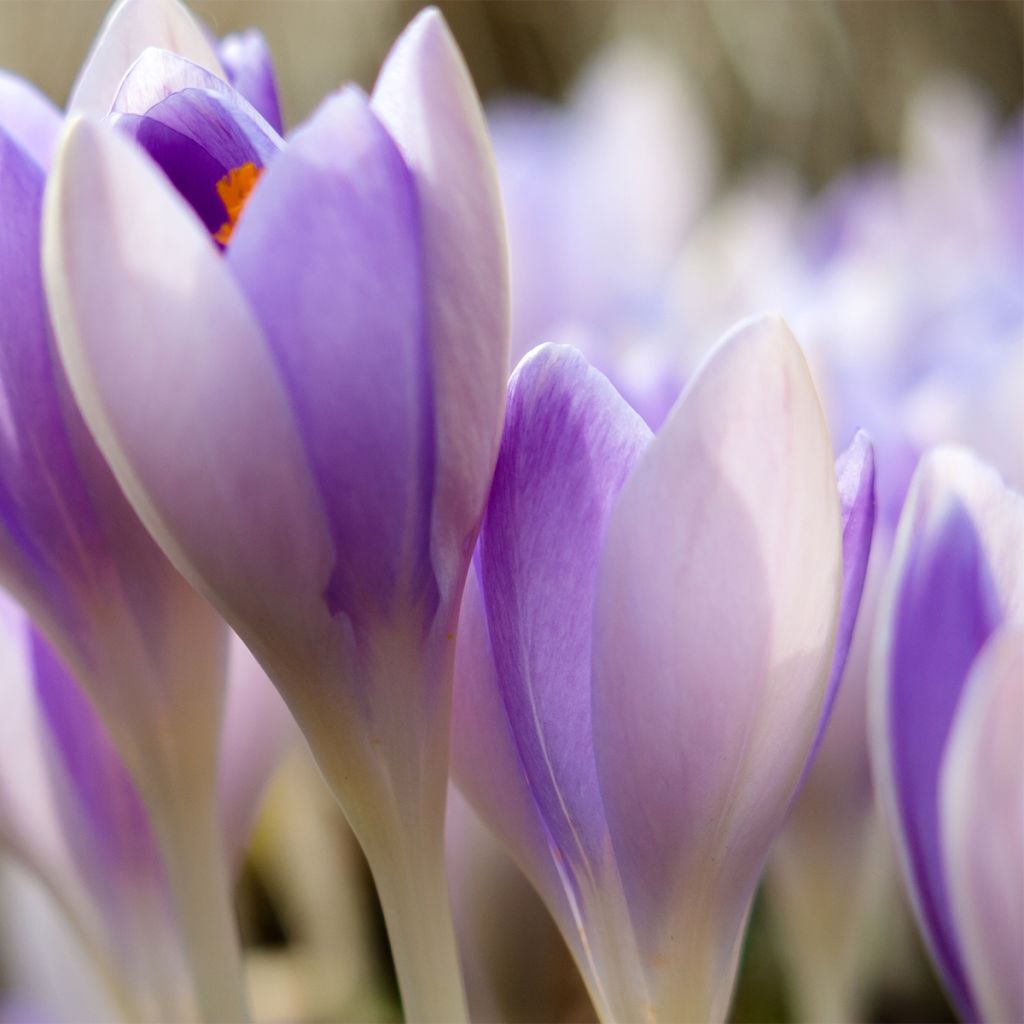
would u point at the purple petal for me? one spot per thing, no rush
(982, 810)
(130, 27)
(569, 443)
(179, 390)
(196, 138)
(250, 69)
(158, 74)
(28, 117)
(70, 815)
(714, 625)
(329, 254)
(100, 807)
(425, 98)
(487, 765)
(47, 525)
(944, 609)
(855, 475)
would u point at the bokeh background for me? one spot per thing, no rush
(819, 84)
(818, 87)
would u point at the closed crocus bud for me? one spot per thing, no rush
(646, 654)
(948, 725)
(294, 359)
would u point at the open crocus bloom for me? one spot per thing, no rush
(947, 718)
(294, 358)
(646, 653)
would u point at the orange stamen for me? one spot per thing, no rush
(234, 190)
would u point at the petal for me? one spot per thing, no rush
(258, 730)
(486, 762)
(328, 252)
(250, 69)
(71, 548)
(30, 825)
(28, 117)
(72, 817)
(98, 802)
(982, 808)
(855, 475)
(425, 98)
(47, 525)
(996, 510)
(569, 443)
(715, 619)
(159, 74)
(173, 376)
(939, 606)
(197, 139)
(129, 28)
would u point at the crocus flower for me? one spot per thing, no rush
(304, 403)
(149, 652)
(906, 287)
(645, 657)
(71, 816)
(947, 718)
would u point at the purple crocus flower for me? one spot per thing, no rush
(148, 651)
(294, 359)
(947, 717)
(646, 654)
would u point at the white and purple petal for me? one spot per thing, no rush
(183, 397)
(48, 527)
(130, 27)
(954, 578)
(330, 258)
(569, 444)
(425, 98)
(716, 614)
(982, 809)
(855, 476)
(28, 117)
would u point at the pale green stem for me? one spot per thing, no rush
(413, 889)
(189, 835)
(387, 765)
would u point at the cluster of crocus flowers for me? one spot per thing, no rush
(901, 278)
(258, 385)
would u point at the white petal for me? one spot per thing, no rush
(174, 379)
(715, 620)
(425, 98)
(129, 28)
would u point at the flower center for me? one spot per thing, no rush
(234, 190)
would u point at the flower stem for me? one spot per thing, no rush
(385, 758)
(413, 889)
(189, 835)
